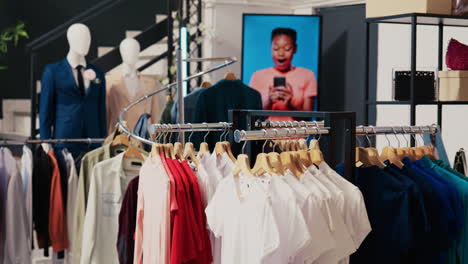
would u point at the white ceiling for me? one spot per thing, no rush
(290, 4)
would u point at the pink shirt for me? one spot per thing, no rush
(302, 81)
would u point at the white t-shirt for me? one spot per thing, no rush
(216, 168)
(293, 231)
(321, 238)
(355, 213)
(344, 244)
(241, 214)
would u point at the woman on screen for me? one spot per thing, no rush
(284, 86)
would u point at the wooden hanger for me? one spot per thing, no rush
(242, 164)
(189, 151)
(373, 154)
(262, 164)
(302, 144)
(204, 148)
(275, 160)
(133, 152)
(389, 153)
(205, 84)
(178, 151)
(316, 155)
(230, 76)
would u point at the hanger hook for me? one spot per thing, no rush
(359, 141)
(245, 142)
(398, 139)
(388, 140)
(208, 132)
(264, 144)
(404, 133)
(191, 132)
(276, 141)
(367, 136)
(180, 130)
(222, 134)
(413, 134)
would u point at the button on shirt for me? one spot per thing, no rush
(106, 189)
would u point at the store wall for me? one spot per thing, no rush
(394, 53)
(342, 69)
(224, 32)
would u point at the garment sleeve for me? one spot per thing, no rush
(71, 201)
(138, 252)
(321, 237)
(310, 87)
(269, 232)
(257, 83)
(298, 234)
(363, 227)
(47, 104)
(102, 108)
(17, 239)
(215, 213)
(90, 221)
(57, 222)
(79, 212)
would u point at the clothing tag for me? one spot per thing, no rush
(110, 204)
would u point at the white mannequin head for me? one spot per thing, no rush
(130, 51)
(79, 39)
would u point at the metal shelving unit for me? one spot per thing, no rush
(413, 19)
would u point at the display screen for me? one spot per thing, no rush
(280, 59)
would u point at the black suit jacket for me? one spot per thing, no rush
(214, 103)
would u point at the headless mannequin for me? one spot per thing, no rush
(79, 40)
(130, 50)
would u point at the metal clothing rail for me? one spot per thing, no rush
(39, 141)
(170, 86)
(199, 127)
(242, 135)
(382, 130)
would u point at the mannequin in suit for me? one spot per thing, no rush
(128, 85)
(72, 100)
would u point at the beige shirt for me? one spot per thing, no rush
(87, 164)
(118, 97)
(107, 187)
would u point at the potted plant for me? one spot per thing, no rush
(10, 36)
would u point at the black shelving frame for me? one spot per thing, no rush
(338, 146)
(413, 19)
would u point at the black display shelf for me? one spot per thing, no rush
(412, 19)
(417, 103)
(423, 19)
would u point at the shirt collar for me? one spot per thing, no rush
(117, 166)
(73, 64)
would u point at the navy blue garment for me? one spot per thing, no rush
(141, 129)
(445, 193)
(452, 193)
(214, 103)
(65, 113)
(432, 243)
(388, 206)
(190, 105)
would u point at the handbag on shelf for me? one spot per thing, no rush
(460, 7)
(424, 90)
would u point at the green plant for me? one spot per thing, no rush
(11, 35)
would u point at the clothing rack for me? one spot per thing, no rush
(18, 140)
(227, 61)
(242, 135)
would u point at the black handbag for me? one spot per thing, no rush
(424, 90)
